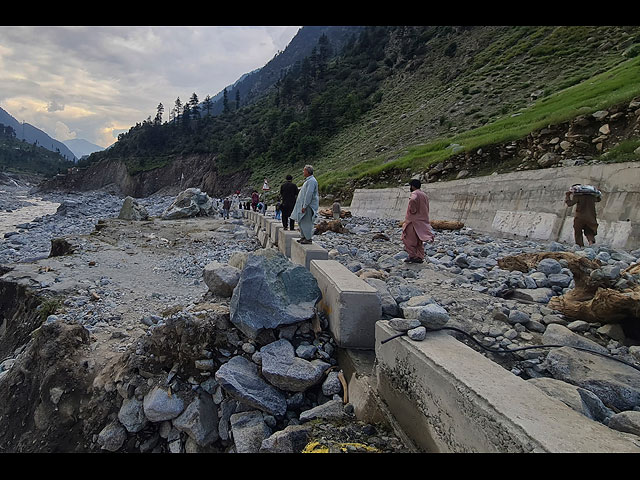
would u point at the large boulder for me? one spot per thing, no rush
(249, 430)
(189, 203)
(240, 379)
(199, 420)
(583, 401)
(132, 210)
(160, 405)
(272, 292)
(292, 439)
(220, 278)
(284, 370)
(556, 334)
(616, 384)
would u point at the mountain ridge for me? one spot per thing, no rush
(29, 133)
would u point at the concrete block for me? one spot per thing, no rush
(352, 305)
(303, 254)
(263, 238)
(285, 237)
(276, 226)
(449, 398)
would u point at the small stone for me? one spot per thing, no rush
(417, 334)
(516, 316)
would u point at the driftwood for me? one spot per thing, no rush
(327, 212)
(330, 226)
(446, 225)
(594, 299)
(443, 224)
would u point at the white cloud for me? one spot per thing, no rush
(95, 82)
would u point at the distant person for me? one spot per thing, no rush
(305, 211)
(254, 200)
(278, 209)
(288, 193)
(584, 219)
(264, 207)
(416, 228)
(226, 206)
(336, 209)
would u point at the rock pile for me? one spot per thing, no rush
(224, 391)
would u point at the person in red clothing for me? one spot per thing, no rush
(416, 228)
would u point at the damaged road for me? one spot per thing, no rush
(118, 346)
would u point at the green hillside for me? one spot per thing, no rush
(18, 156)
(396, 97)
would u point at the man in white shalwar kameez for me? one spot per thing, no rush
(305, 211)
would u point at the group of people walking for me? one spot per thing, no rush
(302, 205)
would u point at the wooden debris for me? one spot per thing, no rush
(593, 299)
(330, 226)
(327, 212)
(443, 225)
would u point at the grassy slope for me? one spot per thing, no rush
(570, 65)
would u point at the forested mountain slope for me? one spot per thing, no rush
(387, 105)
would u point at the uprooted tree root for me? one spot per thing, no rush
(593, 299)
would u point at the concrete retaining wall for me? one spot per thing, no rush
(526, 204)
(449, 398)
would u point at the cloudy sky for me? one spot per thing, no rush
(94, 83)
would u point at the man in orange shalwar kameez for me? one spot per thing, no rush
(416, 228)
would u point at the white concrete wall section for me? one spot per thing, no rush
(304, 254)
(521, 198)
(449, 398)
(352, 305)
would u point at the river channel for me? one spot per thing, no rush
(32, 207)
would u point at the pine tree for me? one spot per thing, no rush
(193, 103)
(225, 102)
(208, 104)
(158, 119)
(178, 109)
(238, 99)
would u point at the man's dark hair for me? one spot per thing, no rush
(415, 183)
(289, 177)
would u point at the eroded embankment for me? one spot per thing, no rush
(128, 360)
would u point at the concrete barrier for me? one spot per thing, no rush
(449, 398)
(351, 304)
(303, 254)
(526, 203)
(285, 238)
(276, 226)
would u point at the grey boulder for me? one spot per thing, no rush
(220, 278)
(132, 210)
(239, 377)
(284, 370)
(189, 203)
(272, 292)
(616, 384)
(199, 420)
(249, 431)
(159, 405)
